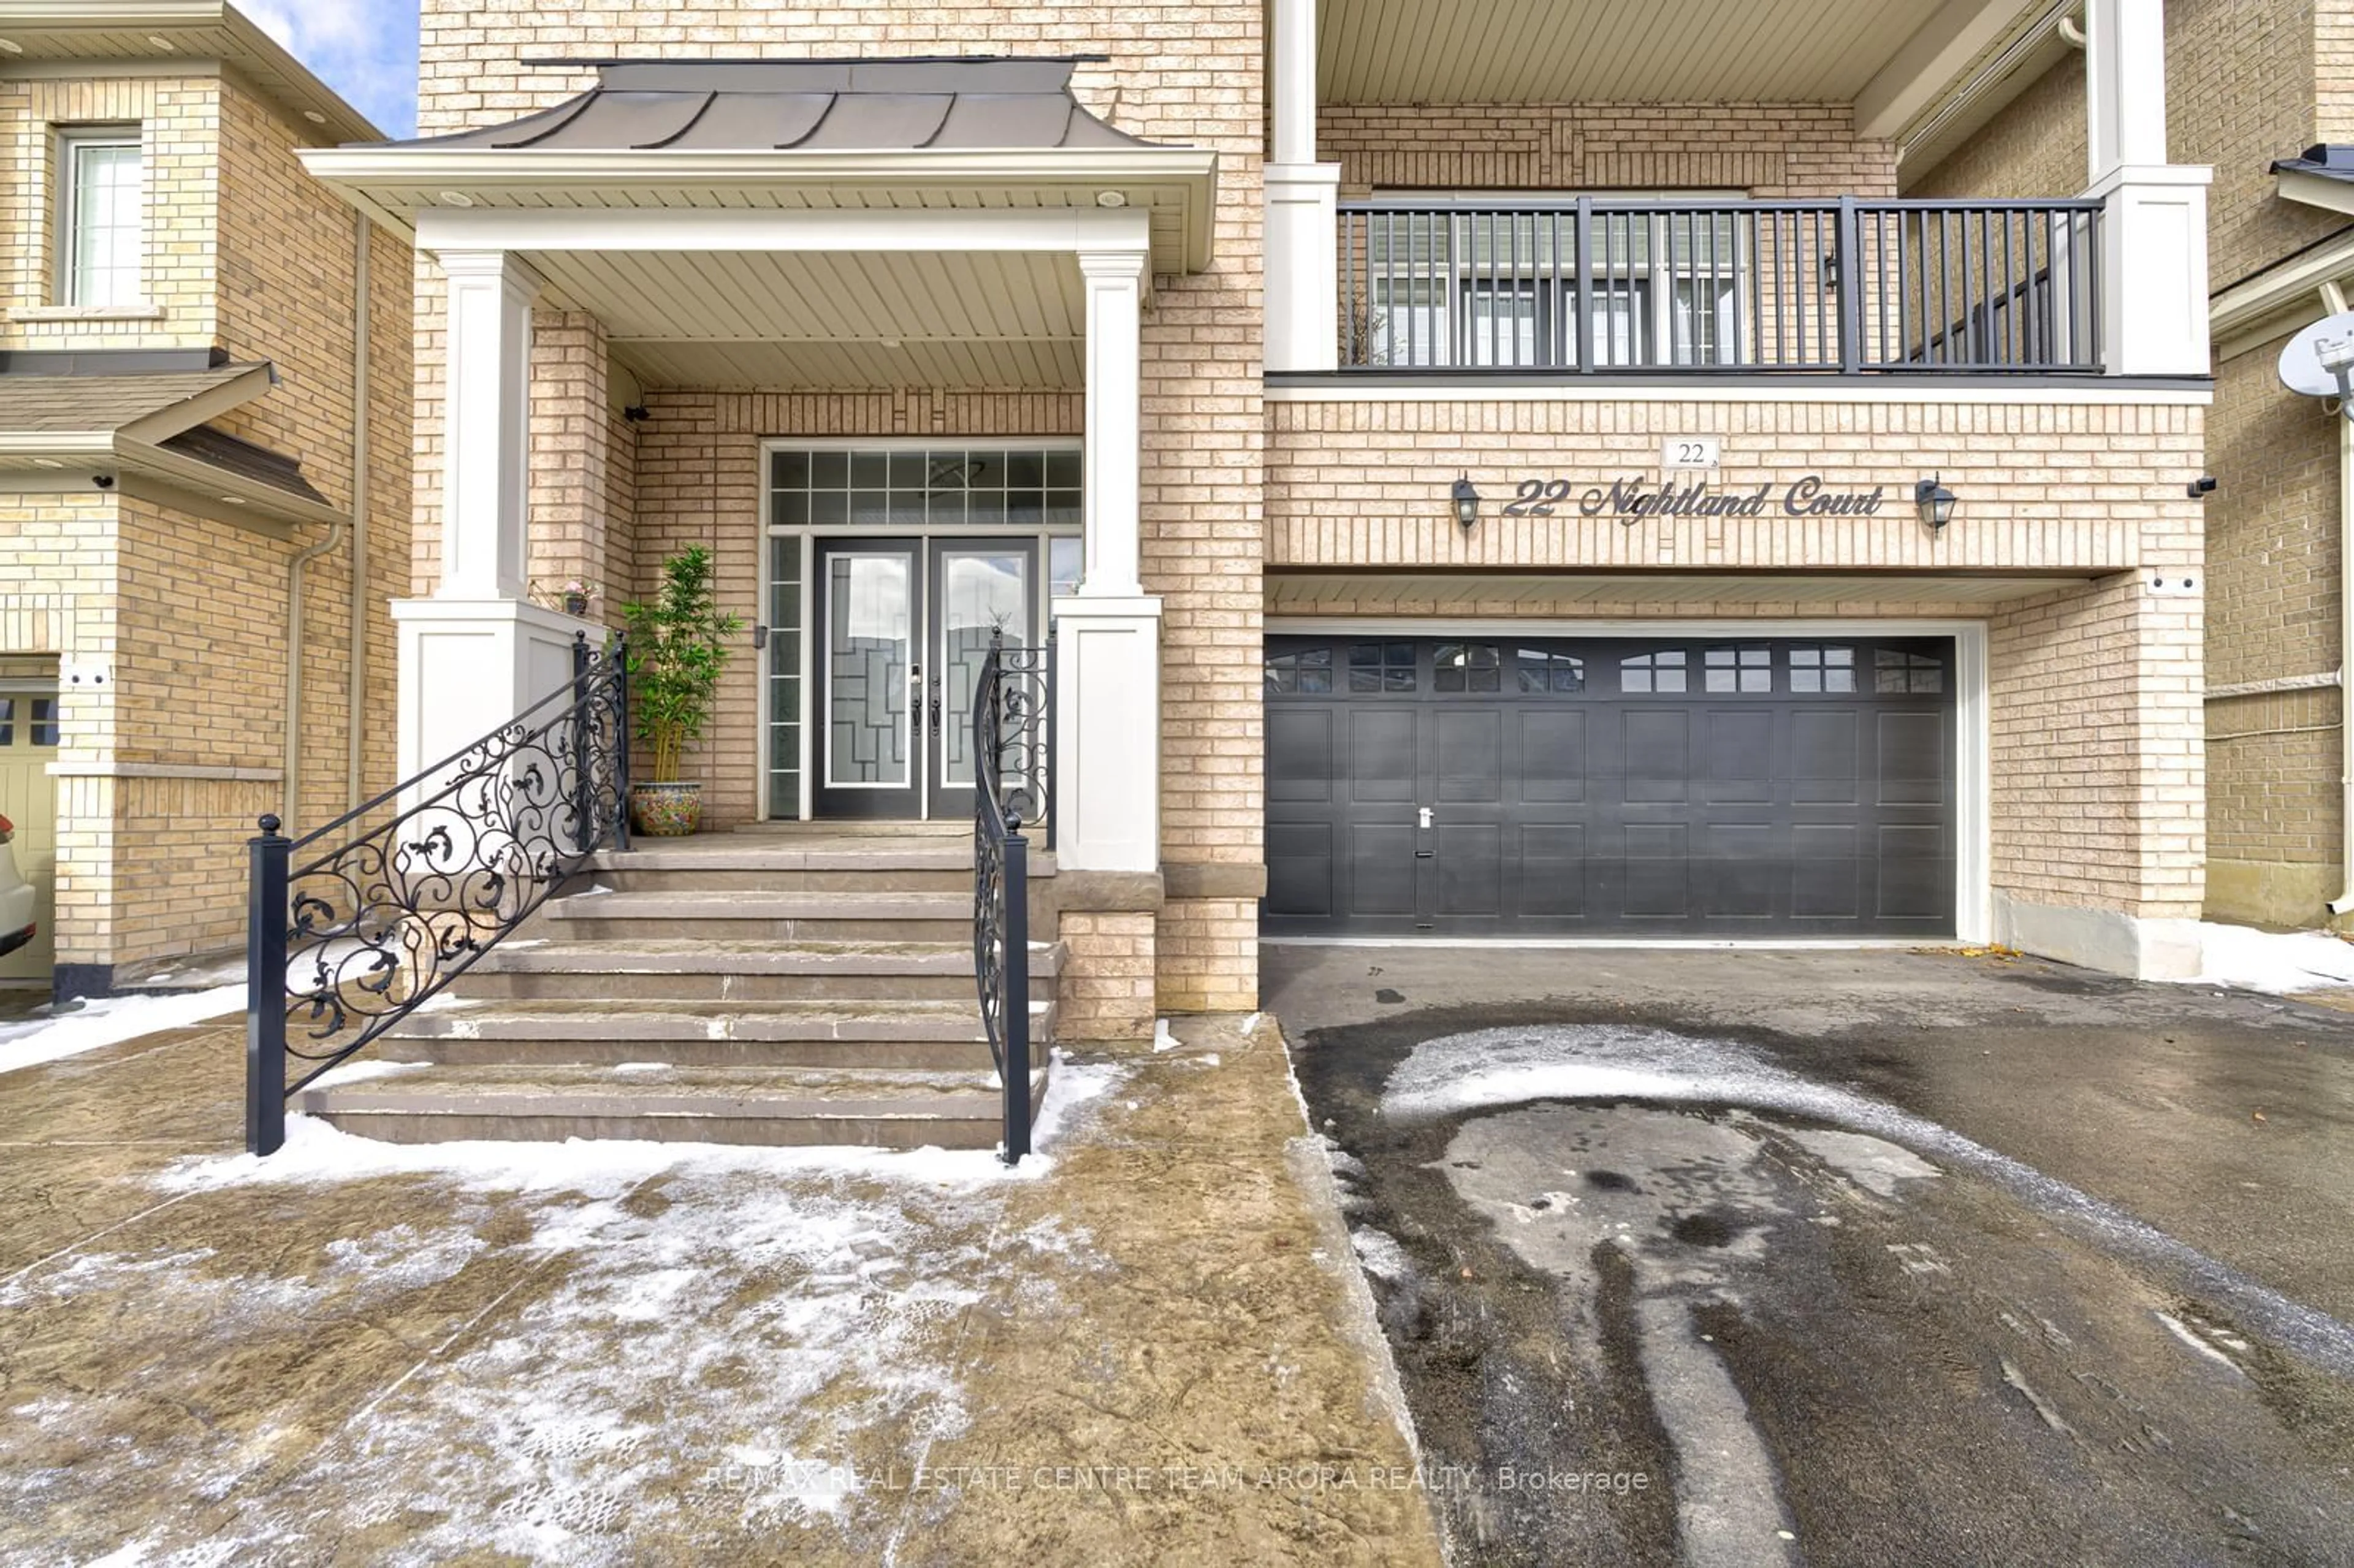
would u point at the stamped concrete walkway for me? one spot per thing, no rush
(1151, 1353)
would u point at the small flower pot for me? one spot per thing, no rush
(575, 604)
(666, 810)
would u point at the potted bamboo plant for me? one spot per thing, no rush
(678, 645)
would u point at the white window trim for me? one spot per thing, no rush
(69, 139)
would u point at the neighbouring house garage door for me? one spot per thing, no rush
(1487, 786)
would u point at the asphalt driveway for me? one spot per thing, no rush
(1822, 1257)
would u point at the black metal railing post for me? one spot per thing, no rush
(265, 989)
(583, 814)
(620, 662)
(1054, 762)
(1847, 275)
(1017, 1068)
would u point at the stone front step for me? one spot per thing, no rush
(930, 1035)
(681, 970)
(743, 864)
(874, 1108)
(819, 917)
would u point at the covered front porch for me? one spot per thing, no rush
(870, 333)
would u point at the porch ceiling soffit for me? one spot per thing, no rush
(147, 433)
(1312, 593)
(1876, 53)
(726, 142)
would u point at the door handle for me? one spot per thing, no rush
(936, 704)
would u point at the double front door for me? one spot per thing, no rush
(900, 628)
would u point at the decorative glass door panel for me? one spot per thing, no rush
(870, 680)
(977, 589)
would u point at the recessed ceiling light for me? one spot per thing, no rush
(1111, 199)
(234, 500)
(890, 342)
(160, 41)
(314, 117)
(456, 198)
(47, 462)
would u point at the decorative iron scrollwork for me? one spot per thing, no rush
(412, 888)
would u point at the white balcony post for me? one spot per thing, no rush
(1303, 255)
(478, 651)
(1107, 701)
(486, 423)
(2153, 246)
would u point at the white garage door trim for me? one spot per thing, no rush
(1973, 853)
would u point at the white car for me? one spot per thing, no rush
(15, 894)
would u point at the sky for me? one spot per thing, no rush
(365, 49)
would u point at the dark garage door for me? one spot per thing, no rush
(1485, 786)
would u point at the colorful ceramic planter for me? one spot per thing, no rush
(666, 810)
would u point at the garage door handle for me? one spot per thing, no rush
(1425, 854)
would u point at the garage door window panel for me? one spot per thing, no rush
(1725, 671)
(1660, 672)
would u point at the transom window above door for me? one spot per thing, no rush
(934, 487)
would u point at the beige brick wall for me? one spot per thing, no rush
(180, 119)
(1106, 989)
(1787, 150)
(2097, 756)
(2043, 487)
(570, 424)
(2275, 806)
(2095, 688)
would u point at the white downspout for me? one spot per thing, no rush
(2333, 300)
(357, 524)
(356, 696)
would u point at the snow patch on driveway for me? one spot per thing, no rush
(2277, 961)
(110, 1021)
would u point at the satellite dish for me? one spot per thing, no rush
(2313, 360)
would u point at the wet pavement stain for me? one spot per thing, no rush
(1922, 1360)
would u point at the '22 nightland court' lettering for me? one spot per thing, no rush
(1631, 500)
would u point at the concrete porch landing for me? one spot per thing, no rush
(791, 983)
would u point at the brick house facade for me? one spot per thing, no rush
(2248, 84)
(171, 451)
(1283, 497)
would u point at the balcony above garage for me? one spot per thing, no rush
(1681, 190)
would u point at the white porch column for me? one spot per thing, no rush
(478, 651)
(1303, 258)
(1107, 701)
(486, 423)
(2154, 223)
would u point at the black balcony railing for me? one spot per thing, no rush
(1850, 286)
(1014, 785)
(352, 927)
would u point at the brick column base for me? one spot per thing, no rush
(1105, 991)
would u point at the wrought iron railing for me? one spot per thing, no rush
(1013, 786)
(407, 892)
(1851, 286)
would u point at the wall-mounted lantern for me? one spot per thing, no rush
(1935, 503)
(1467, 503)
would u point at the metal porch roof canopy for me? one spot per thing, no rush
(852, 134)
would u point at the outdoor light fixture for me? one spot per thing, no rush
(2202, 487)
(637, 413)
(1935, 501)
(1467, 503)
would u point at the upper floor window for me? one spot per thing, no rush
(100, 223)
